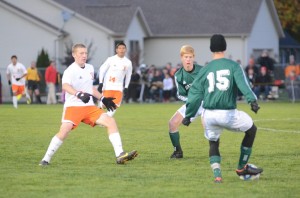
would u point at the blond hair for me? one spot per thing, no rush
(78, 45)
(187, 49)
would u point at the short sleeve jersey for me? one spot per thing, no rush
(113, 71)
(217, 85)
(16, 71)
(184, 80)
(80, 79)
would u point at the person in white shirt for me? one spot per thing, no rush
(167, 87)
(16, 73)
(77, 82)
(112, 74)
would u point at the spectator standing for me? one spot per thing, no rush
(292, 84)
(292, 67)
(267, 61)
(50, 78)
(33, 80)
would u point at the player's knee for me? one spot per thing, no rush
(173, 125)
(252, 131)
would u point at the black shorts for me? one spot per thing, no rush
(32, 85)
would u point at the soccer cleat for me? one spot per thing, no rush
(176, 155)
(43, 163)
(124, 157)
(28, 101)
(248, 170)
(218, 180)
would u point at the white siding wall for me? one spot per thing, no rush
(264, 34)
(159, 51)
(136, 32)
(23, 38)
(80, 29)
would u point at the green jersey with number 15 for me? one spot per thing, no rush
(217, 85)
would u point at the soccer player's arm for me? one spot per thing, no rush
(181, 92)
(102, 70)
(128, 75)
(195, 97)
(244, 85)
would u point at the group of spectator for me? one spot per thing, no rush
(156, 84)
(261, 77)
(152, 84)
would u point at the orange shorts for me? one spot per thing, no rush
(18, 89)
(118, 95)
(86, 114)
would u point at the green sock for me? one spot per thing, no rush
(175, 139)
(244, 157)
(215, 164)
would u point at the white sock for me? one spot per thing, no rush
(53, 146)
(116, 142)
(15, 101)
(111, 113)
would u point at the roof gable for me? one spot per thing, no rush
(173, 17)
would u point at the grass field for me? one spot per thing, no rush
(85, 164)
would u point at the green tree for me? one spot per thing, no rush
(42, 63)
(289, 15)
(43, 59)
(68, 59)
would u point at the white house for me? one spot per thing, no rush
(153, 30)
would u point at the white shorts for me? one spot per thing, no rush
(214, 121)
(182, 110)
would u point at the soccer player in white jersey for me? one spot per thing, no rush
(111, 76)
(16, 73)
(77, 82)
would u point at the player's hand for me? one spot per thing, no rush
(109, 103)
(254, 106)
(125, 92)
(186, 121)
(85, 97)
(9, 83)
(17, 79)
(100, 87)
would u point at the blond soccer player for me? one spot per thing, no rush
(112, 74)
(77, 82)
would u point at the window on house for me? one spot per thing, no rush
(134, 52)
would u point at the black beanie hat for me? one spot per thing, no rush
(217, 43)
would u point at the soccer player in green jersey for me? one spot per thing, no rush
(217, 85)
(184, 78)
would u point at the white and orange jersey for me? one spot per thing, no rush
(113, 71)
(80, 79)
(16, 71)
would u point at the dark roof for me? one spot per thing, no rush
(172, 17)
(288, 42)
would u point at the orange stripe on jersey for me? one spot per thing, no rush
(118, 95)
(86, 114)
(18, 89)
